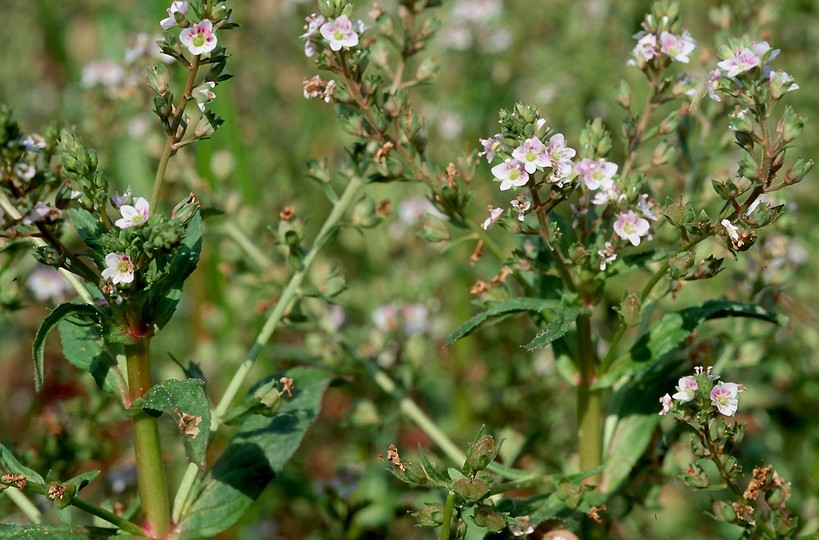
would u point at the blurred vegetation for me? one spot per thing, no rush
(565, 58)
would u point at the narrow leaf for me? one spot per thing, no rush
(52, 319)
(499, 311)
(433, 473)
(58, 532)
(556, 329)
(672, 329)
(14, 466)
(184, 401)
(257, 453)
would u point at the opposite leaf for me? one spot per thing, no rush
(185, 401)
(84, 311)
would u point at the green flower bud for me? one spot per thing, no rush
(798, 171)
(432, 515)
(489, 518)
(434, 229)
(471, 488)
(792, 125)
(480, 454)
(723, 512)
(623, 95)
(680, 264)
(630, 312)
(158, 78)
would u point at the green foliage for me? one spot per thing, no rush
(38, 532)
(256, 454)
(57, 315)
(84, 347)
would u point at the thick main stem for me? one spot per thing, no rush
(589, 401)
(151, 483)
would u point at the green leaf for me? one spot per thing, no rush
(185, 401)
(556, 329)
(257, 453)
(166, 295)
(633, 416)
(58, 532)
(84, 348)
(52, 319)
(672, 329)
(433, 473)
(499, 311)
(14, 466)
(89, 227)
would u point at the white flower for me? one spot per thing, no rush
(176, 7)
(494, 215)
(134, 216)
(119, 268)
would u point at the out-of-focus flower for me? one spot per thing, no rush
(134, 216)
(494, 215)
(40, 212)
(105, 73)
(712, 84)
(724, 397)
(631, 227)
(339, 33)
(666, 403)
(33, 143)
(24, 171)
(119, 268)
(596, 174)
(118, 200)
(199, 38)
(47, 284)
(677, 47)
(646, 46)
(412, 319)
(521, 204)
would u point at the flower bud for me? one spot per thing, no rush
(793, 125)
(489, 518)
(680, 264)
(623, 94)
(526, 112)
(158, 79)
(426, 70)
(480, 454)
(696, 477)
(471, 488)
(630, 312)
(798, 171)
(432, 515)
(433, 229)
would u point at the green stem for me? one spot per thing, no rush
(525, 483)
(151, 484)
(589, 402)
(271, 324)
(108, 516)
(449, 509)
(24, 504)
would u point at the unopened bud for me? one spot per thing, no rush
(793, 125)
(489, 518)
(471, 488)
(158, 79)
(723, 512)
(630, 310)
(432, 515)
(481, 453)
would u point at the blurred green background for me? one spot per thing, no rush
(563, 57)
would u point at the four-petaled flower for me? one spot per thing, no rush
(134, 216)
(631, 227)
(596, 174)
(532, 154)
(170, 21)
(340, 33)
(745, 59)
(677, 47)
(686, 389)
(119, 268)
(724, 398)
(510, 173)
(666, 403)
(607, 255)
(199, 38)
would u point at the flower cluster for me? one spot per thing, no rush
(705, 391)
(339, 33)
(747, 60)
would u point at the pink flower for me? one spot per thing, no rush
(532, 154)
(712, 84)
(646, 47)
(490, 146)
(521, 205)
(494, 215)
(746, 59)
(176, 7)
(561, 157)
(667, 403)
(340, 33)
(631, 227)
(686, 389)
(203, 94)
(119, 268)
(677, 48)
(596, 174)
(199, 38)
(134, 216)
(607, 255)
(724, 397)
(511, 174)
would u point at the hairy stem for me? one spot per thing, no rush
(151, 484)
